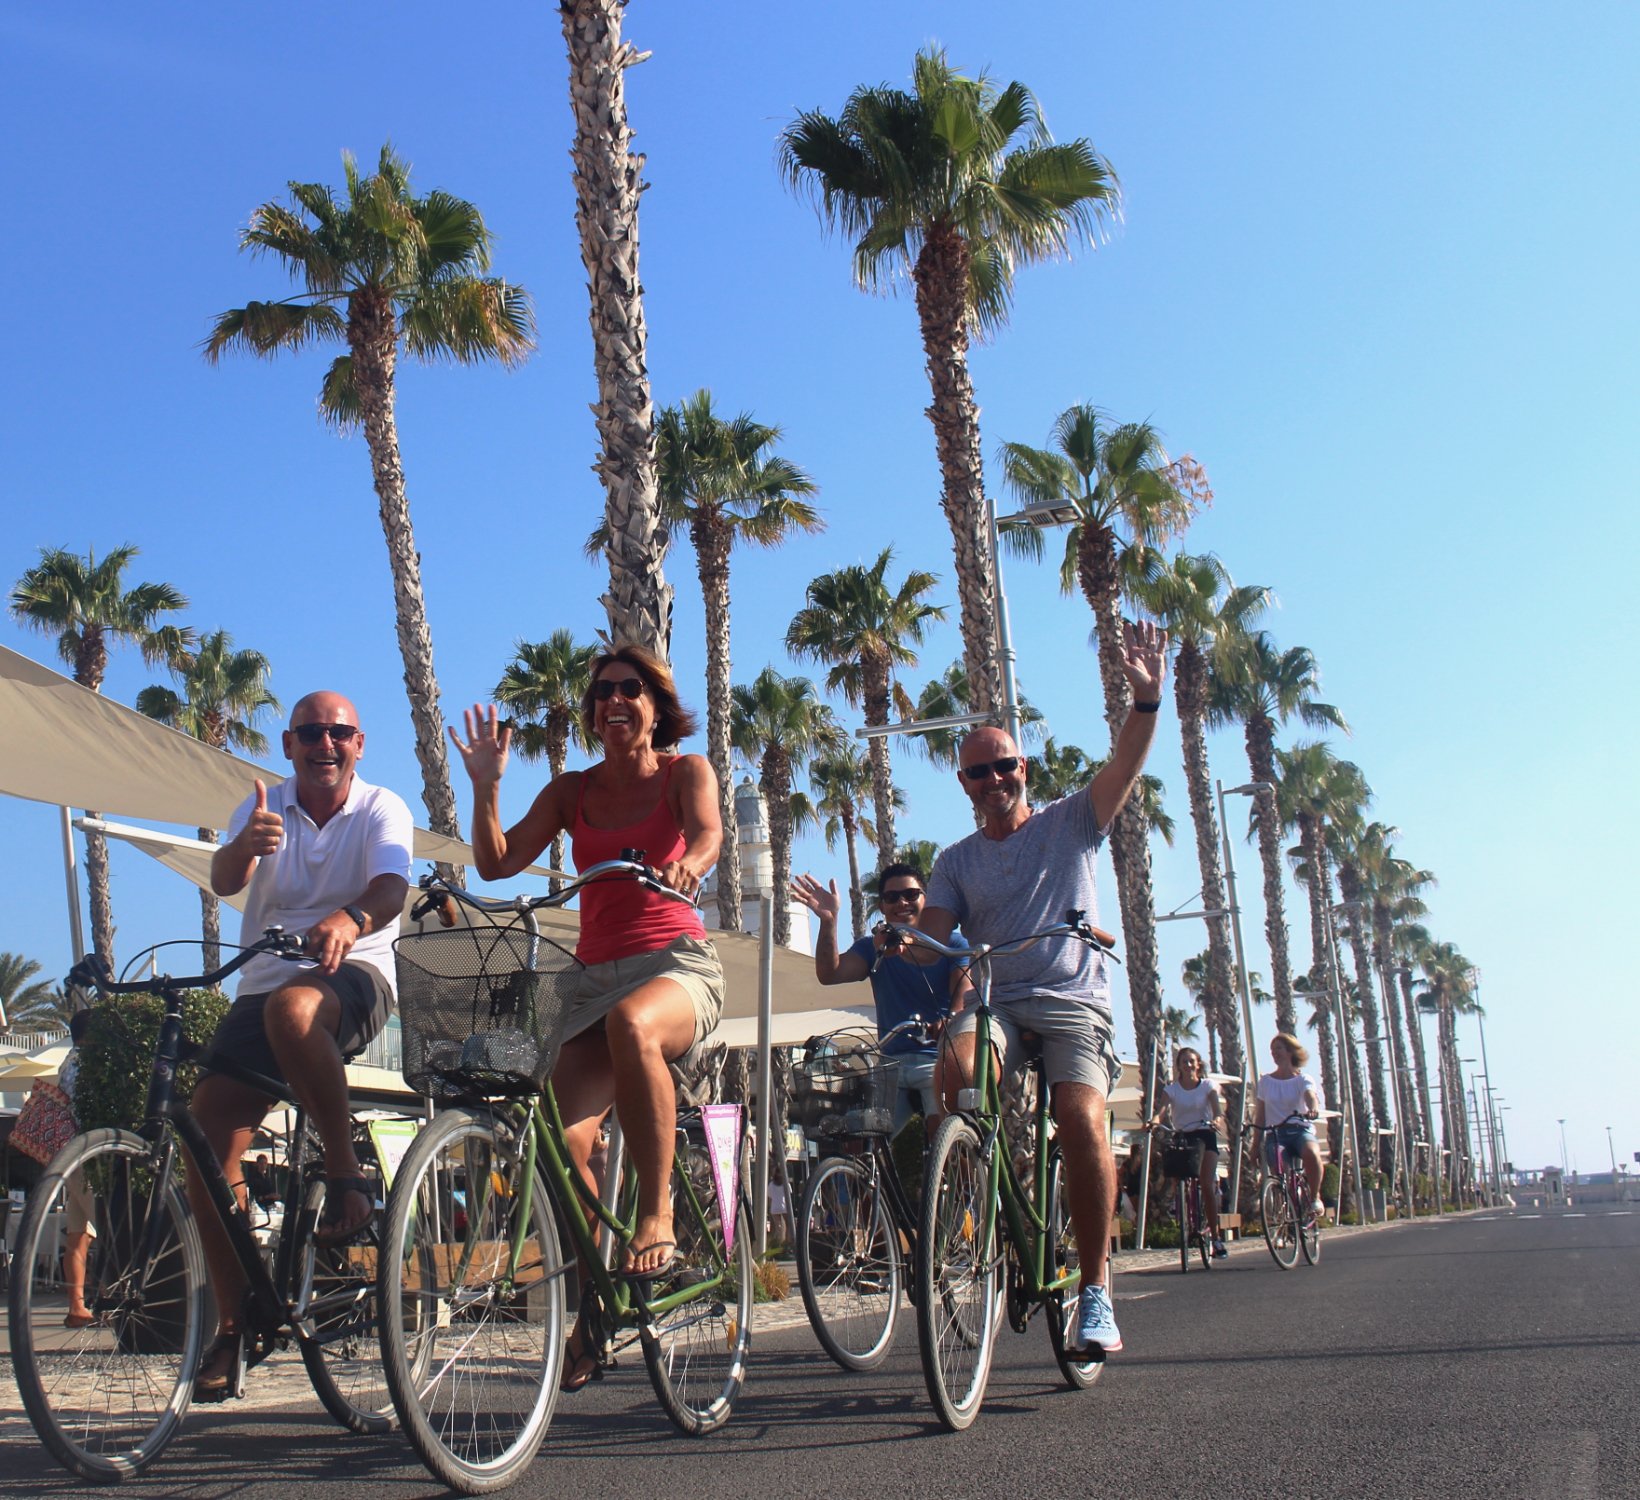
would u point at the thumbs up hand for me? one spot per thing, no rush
(265, 831)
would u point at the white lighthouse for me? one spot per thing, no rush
(756, 871)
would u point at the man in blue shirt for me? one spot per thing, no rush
(913, 982)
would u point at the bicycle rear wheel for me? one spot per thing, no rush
(848, 1263)
(1080, 1367)
(958, 1272)
(1184, 1228)
(338, 1331)
(108, 1397)
(1280, 1223)
(696, 1351)
(1309, 1227)
(1204, 1240)
(473, 1340)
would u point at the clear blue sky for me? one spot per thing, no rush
(1376, 273)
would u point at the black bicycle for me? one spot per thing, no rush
(107, 1395)
(856, 1225)
(1183, 1163)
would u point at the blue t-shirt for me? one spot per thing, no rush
(903, 989)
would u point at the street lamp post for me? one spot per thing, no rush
(1249, 1059)
(1611, 1150)
(1564, 1168)
(1346, 1068)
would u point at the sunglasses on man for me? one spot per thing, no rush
(311, 734)
(1004, 767)
(904, 893)
(606, 688)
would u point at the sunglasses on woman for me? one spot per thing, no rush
(1004, 767)
(606, 688)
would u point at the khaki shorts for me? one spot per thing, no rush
(1078, 1043)
(688, 962)
(79, 1211)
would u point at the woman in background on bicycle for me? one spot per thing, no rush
(653, 986)
(1285, 1092)
(1191, 1103)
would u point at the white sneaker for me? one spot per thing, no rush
(1096, 1320)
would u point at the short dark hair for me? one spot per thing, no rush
(899, 867)
(673, 722)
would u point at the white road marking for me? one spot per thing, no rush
(1578, 1215)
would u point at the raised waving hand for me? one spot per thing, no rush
(484, 751)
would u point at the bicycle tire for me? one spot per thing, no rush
(1204, 1241)
(340, 1336)
(958, 1271)
(1184, 1228)
(108, 1398)
(696, 1354)
(1309, 1227)
(848, 1263)
(1081, 1368)
(455, 1327)
(1280, 1223)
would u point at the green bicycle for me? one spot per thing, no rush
(979, 1217)
(472, 1277)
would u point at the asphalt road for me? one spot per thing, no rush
(1492, 1355)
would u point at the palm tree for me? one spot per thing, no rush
(1193, 975)
(948, 696)
(381, 270)
(87, 605)
(719, 479)
(865, 628)
(1178, 1026)
(223, 693)
(779, 724)
(958, 184)
(841, 779)
(1261, 688)
(1397, 904)
(608, 182)
(27, 1003)
(1056, 771)
(1127, 498)
(1205, 615)
(541, 689)
(1448, 991)
(920, 854)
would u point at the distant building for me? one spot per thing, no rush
(756, 872)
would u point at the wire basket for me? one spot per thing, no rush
(843, 1085)
(482, 1009)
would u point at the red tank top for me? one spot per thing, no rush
(619, 917)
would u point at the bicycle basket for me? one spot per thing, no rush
(482, 1009)
(1183, 1159)
(842, 1085)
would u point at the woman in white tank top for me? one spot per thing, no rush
(1191, 1103)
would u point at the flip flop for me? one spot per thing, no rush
(79, 1320)
(333, 1229)
(667, 1265)
(579, 1371)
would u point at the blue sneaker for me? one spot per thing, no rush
(1096, 1321)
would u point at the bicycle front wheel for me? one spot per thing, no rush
(471, 1297)
(1080, 1367)
(1184, 1228)
(106, 1397)
(1280, 1223)
(1309, 1228)
(848, 1263)
(958, 1272)
(338, 1330)
(1204, 1240)
(697, 1332)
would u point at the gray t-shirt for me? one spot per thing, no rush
(1004, 888)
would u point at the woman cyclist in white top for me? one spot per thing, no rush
(1191, 1103)
(1286, 1092)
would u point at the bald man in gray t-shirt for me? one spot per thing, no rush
(1022, 871)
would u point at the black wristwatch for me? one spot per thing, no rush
(357, 913)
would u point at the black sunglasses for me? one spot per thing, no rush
(606, 688)
(904, 893)
(1004, 767)
(311, 734)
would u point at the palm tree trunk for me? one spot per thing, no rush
(98, 890)
(608, 182)
(1405, 1096)
(1130, 834)
(210, 914)
(372, 338)
(856, 896)
(1366, 994)
(711, 539)
(876, 694)
(1261, 761)
(557, 756)
(1420, 1061)
(1218, 1002)
(1321, 975)
(776, 785)
(941, 278)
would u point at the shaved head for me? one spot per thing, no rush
(323, 708)
(985, 743)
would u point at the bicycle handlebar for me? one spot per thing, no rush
(437, 890)
(1074, 925)
(917, 1024)
(93, 971)
(1297, 1118)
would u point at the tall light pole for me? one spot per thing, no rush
(1249, 1056)
(1565, 1169)
(1612, 1152)
(1346, 1067)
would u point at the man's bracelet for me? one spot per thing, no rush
(1147, 708)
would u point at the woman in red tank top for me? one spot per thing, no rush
(652, 986)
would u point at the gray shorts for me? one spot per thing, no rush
(916, 1092)
(1078, 1044)
(366, 1002)
(688, 962)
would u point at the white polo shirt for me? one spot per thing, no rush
(317, 870)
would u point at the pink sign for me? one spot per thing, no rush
(722, 1125)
